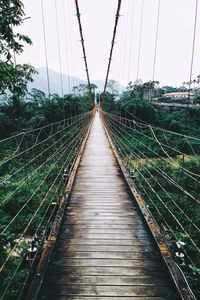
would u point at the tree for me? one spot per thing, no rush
(141, 90)
(113, 87)
(13, 77)
(37, 95)
(83, 89)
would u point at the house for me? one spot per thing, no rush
(179, 96)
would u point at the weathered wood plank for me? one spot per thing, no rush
(74, 297)
(153, 271)
(108, 290)
(107, 280)
(110, 242)
(106, 254)
(108, 248)
(104, 236)
(90, 262)
(104, 250)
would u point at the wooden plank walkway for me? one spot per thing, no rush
(104, 250)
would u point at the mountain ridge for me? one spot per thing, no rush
(40, 82)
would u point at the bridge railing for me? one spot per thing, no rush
(35, 168)
(164, 167)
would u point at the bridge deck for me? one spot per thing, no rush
(104, 250)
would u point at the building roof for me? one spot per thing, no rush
(176, 94)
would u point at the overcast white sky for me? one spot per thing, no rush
(174, 42)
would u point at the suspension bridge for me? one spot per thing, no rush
(97, 216)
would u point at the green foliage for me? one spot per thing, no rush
(172, 202)
(32, 182)
(13, 77)
(83, 89)
(12, 14)
(38, 110)
(132, 105)
(159, 172)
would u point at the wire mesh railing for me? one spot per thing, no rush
(34, 170)
(164, 166)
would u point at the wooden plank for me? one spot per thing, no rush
(106, 254)
(38, 277)
(104, 250)
(120, 235)
(106, 280)
(153, 271)
(109, 214)
(108, 248)
(110, 242)
(102, 262)
(74, 297)
(100, 222)
(99, 209)
(104, 226)
(53, 289)
(112, 227)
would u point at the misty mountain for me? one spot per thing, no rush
(40, 82)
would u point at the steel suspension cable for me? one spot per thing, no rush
(66, 44)
(40, 153)
(146, 125)
(59, 50)
(162, 146)
(53, 155)
(73, 120)
(83, 46)
(125, 36)
(73, 152)
(118, 129)
(112, 44)
(116, 139)
(84, 129)
(140, 40)
(193, 50)
(156, 41)
(126, 153)
(164, 159)
(69, 7)
(75, 46)
(131, 40)
(121, 48)
(45, 49)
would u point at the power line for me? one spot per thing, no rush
(112, 44)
